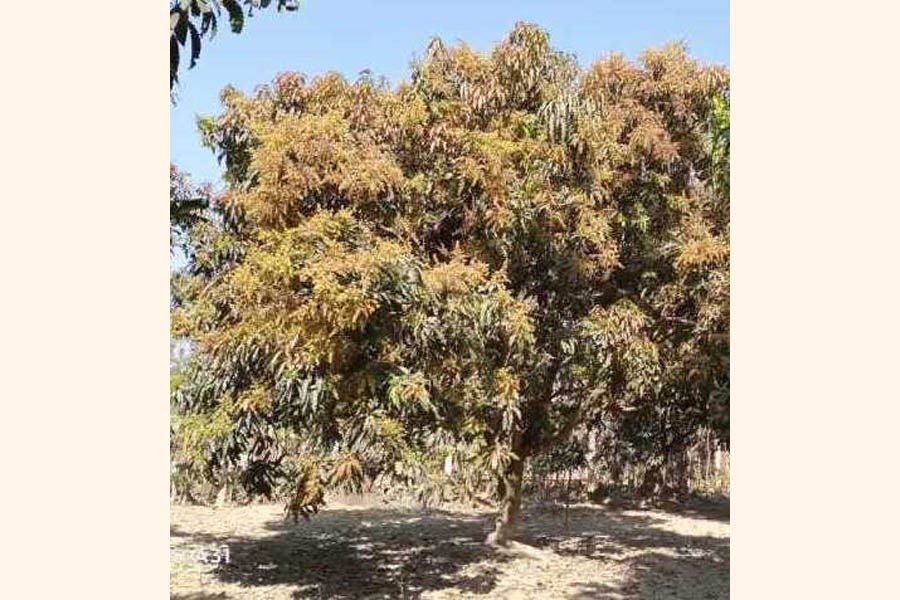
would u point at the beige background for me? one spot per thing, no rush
(85, 300)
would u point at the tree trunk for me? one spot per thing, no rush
(222, 496)
(680, 485)
(510, 502)
(568, 486)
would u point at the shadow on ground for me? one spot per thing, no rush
(662, 563)
(396, 553)
(388, 553)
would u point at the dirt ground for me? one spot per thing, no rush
(388, 551)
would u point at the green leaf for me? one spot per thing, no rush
(173, 62)
(181, 29)
(195, 45)
(235, 15)
(208, 23)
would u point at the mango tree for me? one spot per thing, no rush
(474, 263)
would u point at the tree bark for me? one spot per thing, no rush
(510, 502)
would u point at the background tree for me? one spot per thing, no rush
(192, 20)
(497, 253)
(187, 204)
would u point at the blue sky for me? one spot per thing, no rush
(385, 35)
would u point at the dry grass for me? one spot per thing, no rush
(397, 552)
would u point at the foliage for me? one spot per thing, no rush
(187, 204)
(720, 144)
(494, 255)
(192, 20)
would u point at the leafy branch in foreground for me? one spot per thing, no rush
(192, 20)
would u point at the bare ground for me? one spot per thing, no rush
(396, 552)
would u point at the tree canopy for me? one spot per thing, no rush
(480, 262)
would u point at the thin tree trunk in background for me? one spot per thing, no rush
(510, 503)
(615, 472)
(224, 495)
(568, 484)
(682, 466)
